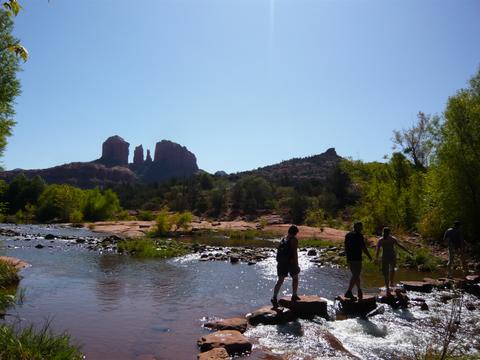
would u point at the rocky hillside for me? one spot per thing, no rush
(317, 167)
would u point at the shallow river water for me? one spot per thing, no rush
(117, 307)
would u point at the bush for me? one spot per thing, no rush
(8, 274)
(150, 248)
(315, 217)
(163, 223)
(145, 215)
(58, 202)
(100, 206)
(30, 344)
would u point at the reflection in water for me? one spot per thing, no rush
(120, 308)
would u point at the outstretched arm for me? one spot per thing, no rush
(399, 244)
(365, 250)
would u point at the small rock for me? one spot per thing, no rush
(49, 237)
(239, 324)
(214, 354)
(39, 246)
(470, 306)
(80, 241)
(312, 252)
(357, 307)
(424, 307)
(233, 341)
(234, 259)
(270, 316)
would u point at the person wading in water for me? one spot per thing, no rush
(354, 247)
(456, 245)
(287, 263)
(389, 257)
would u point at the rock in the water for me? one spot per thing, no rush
(239, 324)
(312, 252)
(307, 307)
(359, 307)
(49, 237)
(233, 341)
(470, 306)
(474, 279)
(234, 259)
(214, 354)
(270, 316)
(39, 246)
(420, 286)
(396, 299)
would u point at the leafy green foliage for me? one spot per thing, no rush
(152, 248)
(8, 274)
(9, 84)
(32, 344)
(59, 202)
(100, 206)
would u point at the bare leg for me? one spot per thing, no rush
(392, 276)
(278, 285)
(295, 285)
(450, 262)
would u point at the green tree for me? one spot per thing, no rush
(9, 84)
(454, 184)
(59, 203)
(100, 206)
(22, 191)
(418, 142)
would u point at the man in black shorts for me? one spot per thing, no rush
(453, 236)
(354, 247)
(287, 263)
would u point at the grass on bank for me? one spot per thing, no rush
(152, 248)
(32, 344)
(8, 274)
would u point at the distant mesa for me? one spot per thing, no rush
(114, 152)
(171, 160)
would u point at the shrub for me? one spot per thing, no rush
(150, 248)
(8, 274)
(145, 215)
(315, 217)
(33, 344)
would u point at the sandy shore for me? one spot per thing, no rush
(140, 228)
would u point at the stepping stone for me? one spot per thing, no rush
(307, 307)
(474, 279)
(214, 354)
(395, 300)
(269, 316)
(233, 342)
(239, 324)
(419, 286)
(357, 307)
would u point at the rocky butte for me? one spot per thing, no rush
(171, 160)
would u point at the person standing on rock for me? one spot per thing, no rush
(453, 236)
(389, 257)
(287, 263)
(354, 247)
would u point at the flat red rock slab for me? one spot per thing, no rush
(269, 316)
(214, 354)
(420, 286)
(233, 342)
(239, 324)
(358, 307)
(307, 307)
(473, 278)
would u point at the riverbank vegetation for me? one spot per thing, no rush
(152, 248)
(32, 344)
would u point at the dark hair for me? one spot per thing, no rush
(457, 223)
(357, 224)
(293, 230)
(386, 231)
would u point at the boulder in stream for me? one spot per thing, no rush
(239, 324)
(357, 307)
(307, 307)
(270, 316)
(214, 354)
(419, 286)
(233, 342)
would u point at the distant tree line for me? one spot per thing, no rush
(29, 200)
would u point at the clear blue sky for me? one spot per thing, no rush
(241, 83)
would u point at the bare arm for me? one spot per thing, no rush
(400, 245)
(365, 250)
(379, 245)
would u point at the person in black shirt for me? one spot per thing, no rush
(354, 247)
(456, 244)
(287, 263)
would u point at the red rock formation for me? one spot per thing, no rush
(138, 155)
(148, 160)
(114, 152)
